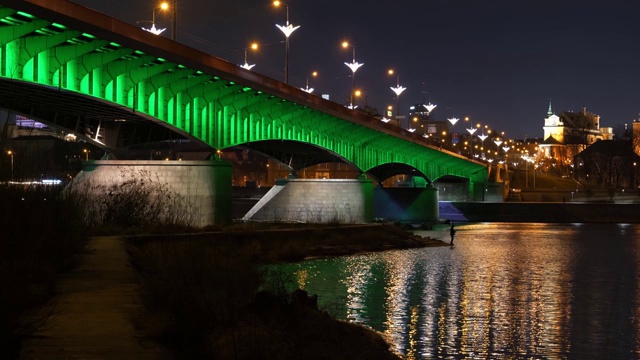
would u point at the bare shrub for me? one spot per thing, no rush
(138, 200)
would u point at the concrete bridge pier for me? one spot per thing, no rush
(316, 201)
(408, 205)
(196, 191)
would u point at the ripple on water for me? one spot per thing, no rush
(503, 291)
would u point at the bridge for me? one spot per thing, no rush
(118, 86)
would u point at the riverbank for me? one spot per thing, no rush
(288, 242)
(205, 296)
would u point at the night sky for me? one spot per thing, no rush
(498, 62)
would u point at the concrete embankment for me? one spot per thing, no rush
(541, 212)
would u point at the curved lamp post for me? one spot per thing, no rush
(471, 131)
(482, 138)
(453, 122)
(164, 7)
(354, 66)
(397, 90)
(287, 30)
(310, 89)
(254, 46)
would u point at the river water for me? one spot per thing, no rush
(504, 291)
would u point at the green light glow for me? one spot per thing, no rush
(26, 15)
(221, 113)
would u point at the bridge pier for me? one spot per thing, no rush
(409, 205)
(198, 191)
(316, 201)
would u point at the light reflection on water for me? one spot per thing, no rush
(503, 291)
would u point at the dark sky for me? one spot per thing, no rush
(498, 62)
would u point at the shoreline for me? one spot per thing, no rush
(273, 243)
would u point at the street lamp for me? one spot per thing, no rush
(482, 138)
(164, 6)
(174, 18)
(86, 154)
(310, 89)
(453, 122)
(471, 131)
(397, 90)
(354, 66)
(253, 46)
(10, 153)
(287, 30)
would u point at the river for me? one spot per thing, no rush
(503, 291)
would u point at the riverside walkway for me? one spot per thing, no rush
(95, 306)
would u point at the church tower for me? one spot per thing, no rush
(553, 126)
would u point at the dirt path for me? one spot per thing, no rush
(94, 311)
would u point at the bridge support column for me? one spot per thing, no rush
(197, 191)
(316, 201)
(477, 191)
(410, 205)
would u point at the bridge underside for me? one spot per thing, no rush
(120, 86)
(103, 123)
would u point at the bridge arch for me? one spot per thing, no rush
(76, 56)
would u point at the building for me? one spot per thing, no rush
(568, 134)
(608, 164)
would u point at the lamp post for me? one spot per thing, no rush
(310, 89)
(287, 30)
(86, 154)
(164, 6)
(471, 131)
(174, 29)
(397, 90)
(453, 122)
(253, 46)
(354, 66)
(10, 153)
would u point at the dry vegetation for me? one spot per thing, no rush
(201, 291)
(202, 298)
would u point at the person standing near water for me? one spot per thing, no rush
(452, 232)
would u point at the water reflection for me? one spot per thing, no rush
(503, 291)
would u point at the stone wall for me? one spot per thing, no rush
(203, 187)
(316, 201)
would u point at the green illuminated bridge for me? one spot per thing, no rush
(119, 86)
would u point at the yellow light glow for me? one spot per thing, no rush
(164, 6)
(358, 93)
(254, 46)
(390, 71)
(314, 74)
(277, 3)
(11, 153)
(345, 44)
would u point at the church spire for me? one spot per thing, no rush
(550, 111)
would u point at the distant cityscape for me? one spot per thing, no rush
(573, 145)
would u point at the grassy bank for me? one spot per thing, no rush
(202, 298)
(41, 239)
